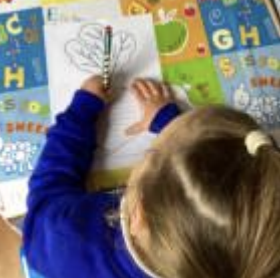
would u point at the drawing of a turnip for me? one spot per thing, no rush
(171, 33)
(86, 51)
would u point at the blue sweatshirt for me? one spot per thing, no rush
(68, 232)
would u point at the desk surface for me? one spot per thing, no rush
(9, 251)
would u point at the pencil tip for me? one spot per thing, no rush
(108, 28)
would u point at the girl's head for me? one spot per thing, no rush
(200, 205)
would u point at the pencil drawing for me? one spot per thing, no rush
(86, 51)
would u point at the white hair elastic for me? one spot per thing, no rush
(256, 139)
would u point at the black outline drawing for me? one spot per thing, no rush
(87, 49)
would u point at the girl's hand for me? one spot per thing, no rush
(94, 85)
(151, 97)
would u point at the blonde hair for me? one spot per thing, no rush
(211, 208)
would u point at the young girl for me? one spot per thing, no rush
(203, 203)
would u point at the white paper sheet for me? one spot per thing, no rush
(75, 52)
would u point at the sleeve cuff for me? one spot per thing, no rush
(86, 106)
(165, 115)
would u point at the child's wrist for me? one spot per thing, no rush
(163, 117)
(86, 106)
(96, 94)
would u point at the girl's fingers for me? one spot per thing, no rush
(155, 89)
(138, 94)
(166, 92)
(142, 90)
(148, 92)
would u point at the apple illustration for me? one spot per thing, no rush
(190, 10)
(201, 48)
(171, 33)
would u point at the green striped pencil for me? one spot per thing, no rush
(107, 56)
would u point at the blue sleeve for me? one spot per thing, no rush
(58, 181)
(67, 155)
(164, 116)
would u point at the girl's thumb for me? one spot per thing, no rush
(135, 129)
